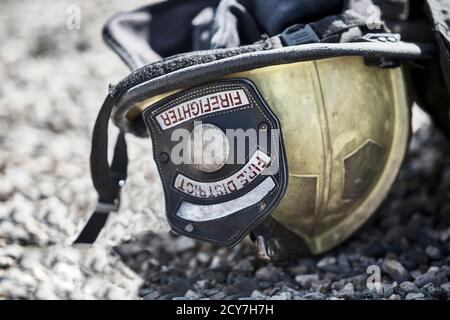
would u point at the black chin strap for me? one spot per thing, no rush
(107, 179)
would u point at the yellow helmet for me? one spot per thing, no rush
(345, 129)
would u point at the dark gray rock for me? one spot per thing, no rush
(328, 264)
(439, 294)
(414, 258)
(258, 295)
(433, 252)
(282, 296)
(306, 280)
(313, 296)
(395, 270)
(387, 290)
(308, 263)
(446, 287)
(211, 292)
(428, 289)
(267, 273)
(415, 296)
(183, 298)
(152, 296)
(431, 276)
(407, 287)
(343, 264)
(346, 292)
(323, 286)
(368, 294)
(244, 266)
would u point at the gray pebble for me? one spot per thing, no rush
(321, 286)
(387, 290)
(210, 292)
(202, 284)
(346, 292)
(428, 277)
(182, 298)
(313, 296)
(191, 294)
(266, 274)
(203, 257)
(343, 264)
(395, 270)
(306, 280)
(327, 264)
(256, 294)
(145, 291)
(433, 252)
(152, 296)
(244, 266)
(446, 287)
(408, 286)
(414, 296)
(282, 296)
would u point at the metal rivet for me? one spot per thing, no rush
(164, 157)
(262, 206)
(263, 126)
(189, 227)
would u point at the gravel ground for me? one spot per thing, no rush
(53, 81)
(408, 239)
